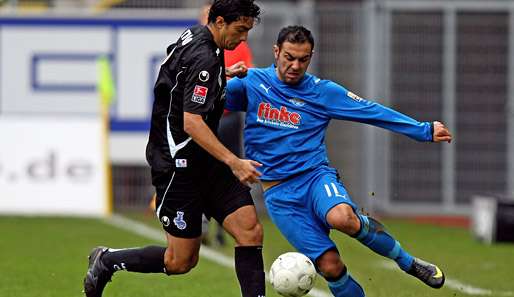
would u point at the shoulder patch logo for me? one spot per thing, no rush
(199, 94)
(186, 37)
(179, 220)
(354, 97)
(203, 75)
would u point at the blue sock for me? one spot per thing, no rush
(345, 286)
(373, 235)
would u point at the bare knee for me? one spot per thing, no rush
(179, 266)
(343, 218)
(330, 264)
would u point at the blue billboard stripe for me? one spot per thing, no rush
(38, 86)
(121, 22)
(130, 126)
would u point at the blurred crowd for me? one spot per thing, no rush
(105, 4)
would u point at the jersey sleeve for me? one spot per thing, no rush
(345, 105)
(236, 95)
(201, 85)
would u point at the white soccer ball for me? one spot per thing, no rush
(292, 274)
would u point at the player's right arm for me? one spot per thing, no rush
(200, 92)
(244, 170)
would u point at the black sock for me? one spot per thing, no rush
(250, 271)
(148, 259)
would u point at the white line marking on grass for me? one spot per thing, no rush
(206, 252)
(455, 284)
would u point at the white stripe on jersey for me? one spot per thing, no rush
(158, 211)
(174, 148)
(169, 56)
(220, 81)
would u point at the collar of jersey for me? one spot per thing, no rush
(210, 37)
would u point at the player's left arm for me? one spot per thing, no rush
(236, 95)
(345, 105)
(441, 133)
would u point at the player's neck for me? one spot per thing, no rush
(216, 36)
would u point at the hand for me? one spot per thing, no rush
(441, 133)
(239, 69)
(246, 170)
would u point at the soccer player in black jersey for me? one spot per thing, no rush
(193, 173)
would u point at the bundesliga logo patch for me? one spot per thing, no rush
(199, 94)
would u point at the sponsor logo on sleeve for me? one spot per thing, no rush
(354, 97)
(199, 94)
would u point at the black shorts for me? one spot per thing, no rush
(183, 195)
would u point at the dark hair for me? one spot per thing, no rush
(295, 34)
(232, 10)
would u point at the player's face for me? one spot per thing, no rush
(292, 61)
(234, 33)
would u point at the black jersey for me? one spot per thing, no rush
(191, 79)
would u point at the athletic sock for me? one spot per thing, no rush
(345, 286)
(250, 270)
(373, 235)
(148, 259)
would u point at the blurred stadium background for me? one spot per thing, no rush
(446, 60)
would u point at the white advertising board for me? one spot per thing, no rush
(48, 65)
(52, 166)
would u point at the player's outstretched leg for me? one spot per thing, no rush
(373, 235)
(103, 262)
(428, 273)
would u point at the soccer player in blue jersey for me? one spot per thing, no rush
(287, 113)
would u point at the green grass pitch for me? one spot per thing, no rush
(47, 257)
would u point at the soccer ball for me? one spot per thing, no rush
(292, 274)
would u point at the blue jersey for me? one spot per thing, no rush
(285, 124)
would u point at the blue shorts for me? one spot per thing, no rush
(299, 206)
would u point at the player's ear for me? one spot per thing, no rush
(276, 51)
(219, 22)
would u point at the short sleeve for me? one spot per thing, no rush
(236, 95)
(201, 85)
